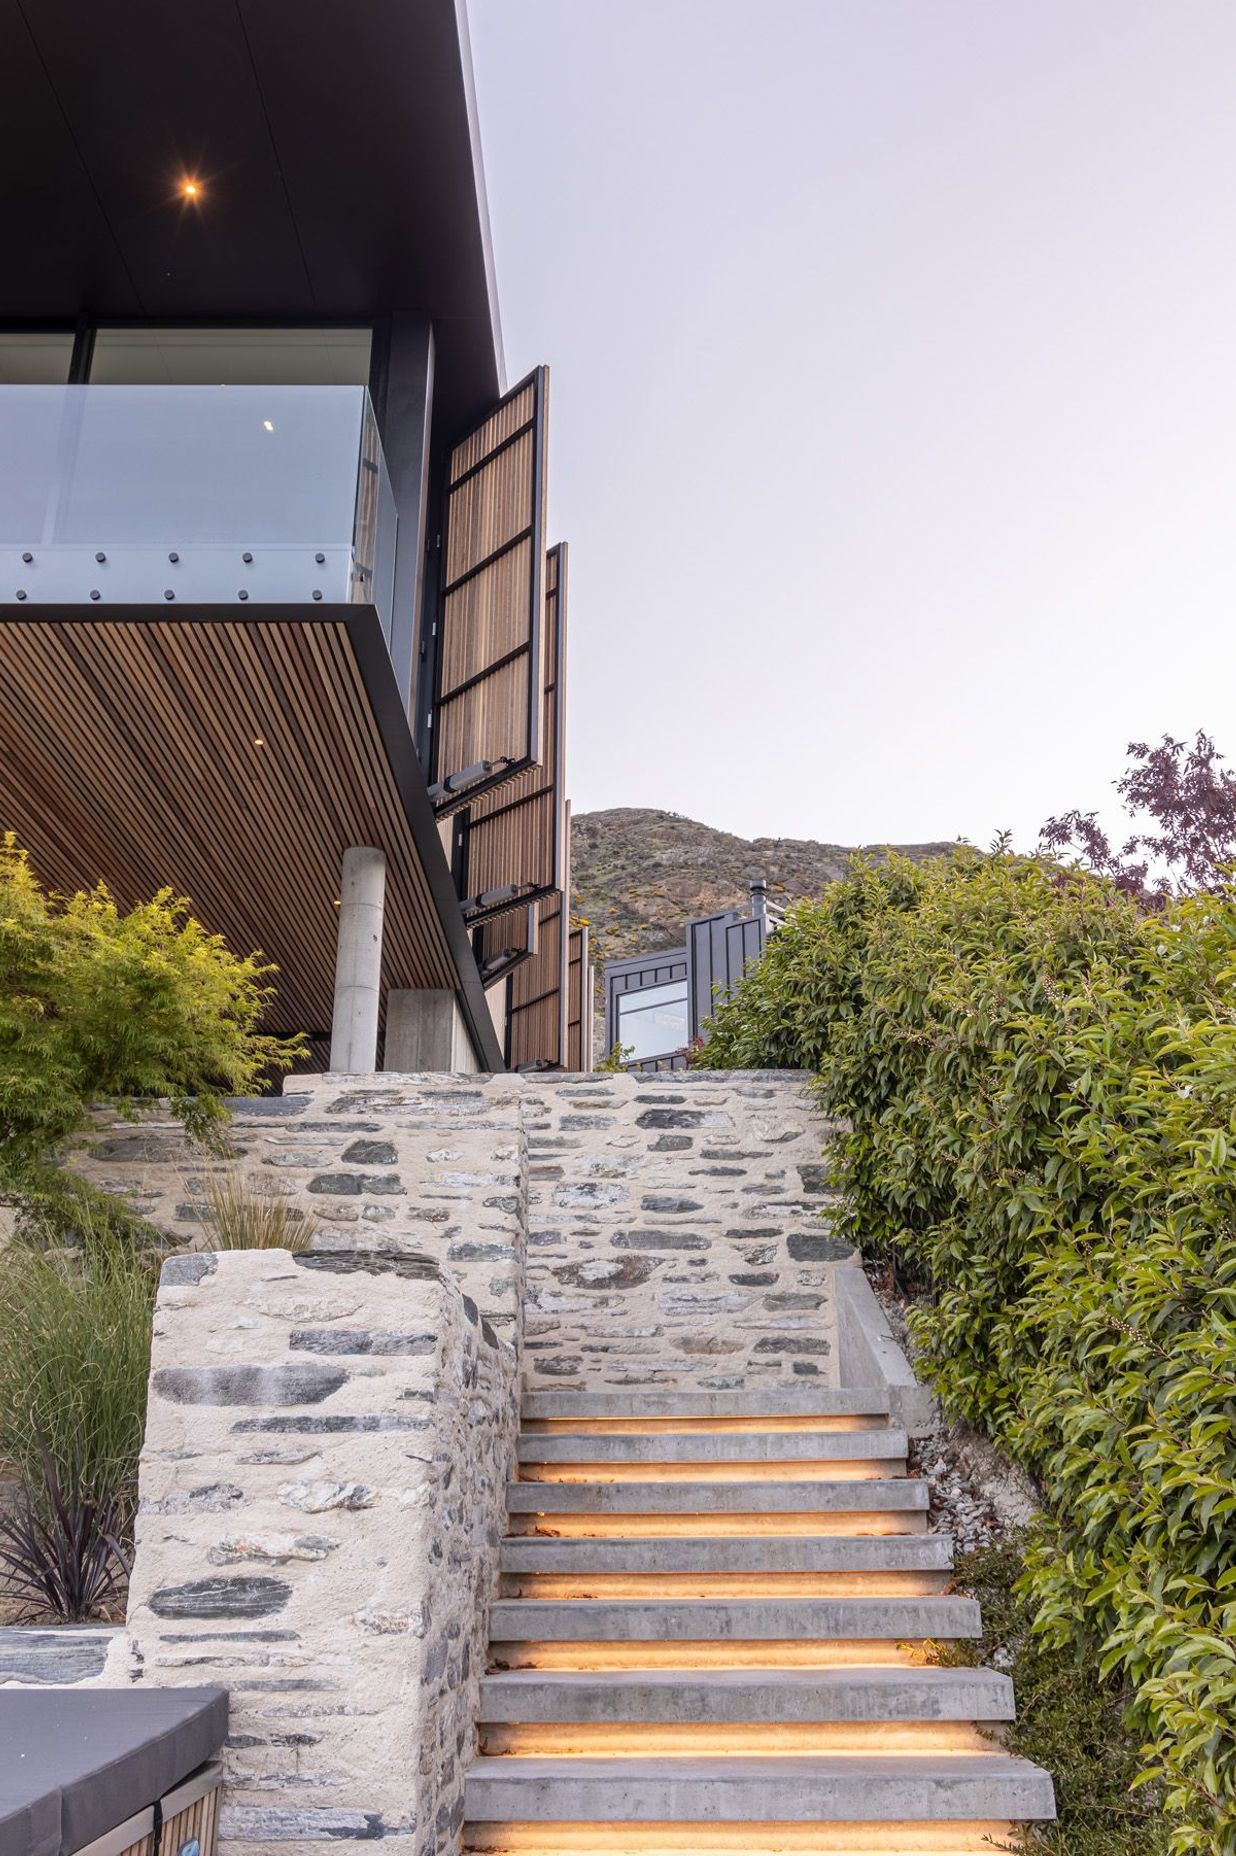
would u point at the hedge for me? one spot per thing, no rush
(1040, 1083)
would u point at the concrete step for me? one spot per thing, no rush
(720, 1553)
(590, 1620)
(724, 1695)
(760, 1447)
(896, 1495)
(669, 1402)
(851, 1788)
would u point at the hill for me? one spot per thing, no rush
(638, 875)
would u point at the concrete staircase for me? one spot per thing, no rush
(709, 1638)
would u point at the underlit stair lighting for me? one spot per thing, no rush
(711, 1635)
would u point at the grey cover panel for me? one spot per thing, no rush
(74, 1763)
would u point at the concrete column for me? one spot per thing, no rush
(358, 962)
(425, 1031)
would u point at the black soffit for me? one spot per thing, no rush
(334, 141)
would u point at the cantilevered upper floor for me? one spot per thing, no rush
(273, 569)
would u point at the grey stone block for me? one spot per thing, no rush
(221, 1597)
(301, 1383)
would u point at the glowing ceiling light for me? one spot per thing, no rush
(191, 189)
(268, 425)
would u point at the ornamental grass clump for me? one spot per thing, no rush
(1039, 1081)
(75, 1326)
(242, 1217)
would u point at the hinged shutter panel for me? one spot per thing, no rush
(487, 714)
(514, 845)
(537, 1029)
(505, 942)
(580, 997)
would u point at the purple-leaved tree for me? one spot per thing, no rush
(1182, 799)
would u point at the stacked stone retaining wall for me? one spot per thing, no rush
(323, 1493)
(678, 1231)
(663, 1229)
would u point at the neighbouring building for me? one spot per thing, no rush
(280, 624)
(657, 1005)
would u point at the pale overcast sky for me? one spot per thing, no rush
(894, 393)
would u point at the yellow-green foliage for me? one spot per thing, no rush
(99, 1005)
(1041, 1084)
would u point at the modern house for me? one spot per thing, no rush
(280, 624)
(658, 1004)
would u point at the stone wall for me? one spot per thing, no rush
(430, 1163)
(677, 1231)
(660, 1229)
(323, 1492)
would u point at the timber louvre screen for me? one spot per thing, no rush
(487, 717)
(505, 942)
(581, 986)
(537, 1029)
(512, 841)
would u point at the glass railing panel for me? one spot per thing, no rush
(203, 495)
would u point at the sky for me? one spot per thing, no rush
(893, 404)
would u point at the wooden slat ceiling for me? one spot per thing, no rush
(127, 754)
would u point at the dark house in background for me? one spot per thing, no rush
(280, 626)
(657, 1005)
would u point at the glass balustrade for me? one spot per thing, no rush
(204, 496)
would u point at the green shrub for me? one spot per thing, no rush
(1068, 1721)
(97, 1005)
(1040, 1082)
(75, 1330)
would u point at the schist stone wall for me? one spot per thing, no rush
(647, 1229)
(662, 1229)
(430, 1163)
(677, 1232)
(323, 1492)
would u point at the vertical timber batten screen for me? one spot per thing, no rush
(581, 986)
(537, 1030)
(487, 720)
(513, 839)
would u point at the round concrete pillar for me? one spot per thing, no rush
(358, 962)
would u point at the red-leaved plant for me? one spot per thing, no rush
(1187, 797)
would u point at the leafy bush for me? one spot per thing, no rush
(1040, 1084)
(74, 1359)
(101, 1006)
(1067, 1721)
(242, 1218)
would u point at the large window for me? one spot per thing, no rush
(33, 359)
(178, 357)
(653, 1022)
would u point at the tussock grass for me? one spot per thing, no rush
(75, 1354)
(246, 1218)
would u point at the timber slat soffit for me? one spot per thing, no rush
(231, 760)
